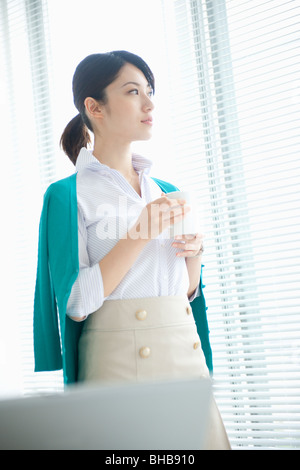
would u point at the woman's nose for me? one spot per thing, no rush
(149, 105)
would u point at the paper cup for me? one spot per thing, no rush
(188, 225)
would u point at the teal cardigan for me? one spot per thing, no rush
(55, 334)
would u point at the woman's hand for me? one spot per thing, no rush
(191, 246)
(157, 216)
(154, 218)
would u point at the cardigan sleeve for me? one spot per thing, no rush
(87, 294)
(55, 340)
(47, 351)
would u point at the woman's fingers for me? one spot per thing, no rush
(175, 212)
(160, 214)
(190, 245)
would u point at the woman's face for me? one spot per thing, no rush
(127, 114)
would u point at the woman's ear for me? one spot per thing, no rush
(93, 108)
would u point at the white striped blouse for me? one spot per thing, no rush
(107, 206)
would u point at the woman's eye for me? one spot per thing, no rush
(135, 91)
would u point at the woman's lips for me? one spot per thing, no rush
(148, 121)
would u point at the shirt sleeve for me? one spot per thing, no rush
(195, 294)
(87, 293)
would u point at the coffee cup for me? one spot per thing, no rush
(188, 225)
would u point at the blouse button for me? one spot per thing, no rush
(145, 352)
(141, 315)
(196, 345)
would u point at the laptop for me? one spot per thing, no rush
(163, 415)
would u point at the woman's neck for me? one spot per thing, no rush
(119, 157)
(115, 155)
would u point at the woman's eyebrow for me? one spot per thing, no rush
(131, 83)
(135, 83)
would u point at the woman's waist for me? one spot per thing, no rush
(141, 313)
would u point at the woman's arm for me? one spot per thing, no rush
(194, 271)
(118, 261)
(155, 217)
(191, 248)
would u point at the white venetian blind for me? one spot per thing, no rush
(28, 166)
(235, 105)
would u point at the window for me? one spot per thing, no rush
(235, 100)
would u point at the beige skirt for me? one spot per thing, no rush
(147, 339)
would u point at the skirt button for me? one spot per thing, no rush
(145, 352)
(188, 310)
(141, 315)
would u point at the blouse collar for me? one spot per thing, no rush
(86, 159)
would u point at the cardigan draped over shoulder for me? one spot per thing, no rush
(55, 334)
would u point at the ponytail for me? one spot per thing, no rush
(74, 137)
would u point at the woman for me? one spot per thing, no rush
(127, 289)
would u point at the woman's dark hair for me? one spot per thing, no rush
(90, 79)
